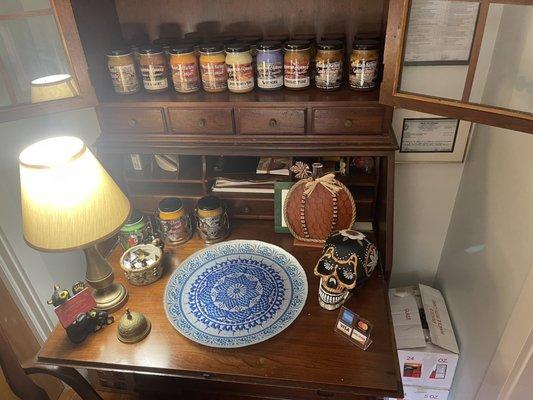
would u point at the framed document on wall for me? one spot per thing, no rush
(429, 135)
(429, 138)
(440, 32)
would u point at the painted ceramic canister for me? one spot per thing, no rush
(135, 231)
(174, 221)
(317, 206)
(212, 219)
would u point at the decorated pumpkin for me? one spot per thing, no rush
(317, 206)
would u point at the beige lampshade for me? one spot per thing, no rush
(53, 87)
(68, 199)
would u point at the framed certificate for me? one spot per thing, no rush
(429, 135)
(440, 32)
(429, 138)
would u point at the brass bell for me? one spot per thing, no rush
(133, 327)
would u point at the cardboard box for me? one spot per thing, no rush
(421, 393)
(427, 348)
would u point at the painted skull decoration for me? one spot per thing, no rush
(347, 261)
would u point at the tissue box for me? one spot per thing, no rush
(427, 348)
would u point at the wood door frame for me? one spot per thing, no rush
(514, 350)
(398, 17)
(23, 293)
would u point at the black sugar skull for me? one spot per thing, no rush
(347, 261)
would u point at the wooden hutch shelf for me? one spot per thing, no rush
(218, 135)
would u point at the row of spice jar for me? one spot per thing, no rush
(238, 68)
(173, 224)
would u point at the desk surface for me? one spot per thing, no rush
(308, 354)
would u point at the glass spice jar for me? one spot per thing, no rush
(174, 221)
(364, 64)
(212, 219)
(311, 38)
(153, 64)
(269, 65)
(184, 67)
(213, 67)
(297, 60)
(240, 69)
(121, 65)
(136, 230)
(329, 62)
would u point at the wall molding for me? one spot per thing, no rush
(22, 291)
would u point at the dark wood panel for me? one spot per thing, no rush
(271, 121)
(348, 120)
(131, 120)
(306, 355)
(201, 121)
(163, 17)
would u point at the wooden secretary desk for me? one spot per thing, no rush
(220, 135)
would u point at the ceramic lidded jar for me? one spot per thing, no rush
(348, 260)
(212, 219)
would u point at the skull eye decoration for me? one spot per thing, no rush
(347, 261)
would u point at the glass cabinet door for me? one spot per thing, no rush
(464, 59)
(42, 66)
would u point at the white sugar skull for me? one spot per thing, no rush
(347, 261)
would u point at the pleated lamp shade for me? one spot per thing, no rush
(68, 199)
(53, 87)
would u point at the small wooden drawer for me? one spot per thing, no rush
(131, 120)
(271, 121)
(210, 121)
(348, 120)
(251, 208)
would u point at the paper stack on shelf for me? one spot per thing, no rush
(243, 186)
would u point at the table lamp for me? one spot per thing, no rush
(70, 202)
(53, 87)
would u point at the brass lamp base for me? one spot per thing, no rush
(109, 296)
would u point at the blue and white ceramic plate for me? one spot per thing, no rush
(235, 293)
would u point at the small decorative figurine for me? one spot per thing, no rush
(59, 296)
(86, 323)
(78, 287)
(347, 261)
(315, 207)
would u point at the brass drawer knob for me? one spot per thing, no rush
(202, 123)
(348, 123)
(273, 123)
(132, 122)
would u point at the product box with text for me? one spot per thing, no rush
(422, 393)
(427, 348)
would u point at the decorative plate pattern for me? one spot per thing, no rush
(235, 293)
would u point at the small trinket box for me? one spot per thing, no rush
(142, 264)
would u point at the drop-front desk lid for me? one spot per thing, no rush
(308, 354)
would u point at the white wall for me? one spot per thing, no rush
(487, 255)
(42, 269)
(423, 203)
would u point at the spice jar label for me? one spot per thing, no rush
(269, 75)
(296, 74)
(185, 77)
(328, 74)
(154, 77)
(214, 75)
(240, 76)
(363, 74)
(124, 78)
